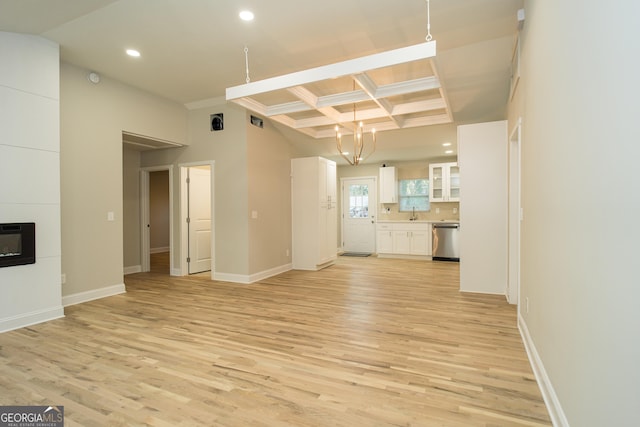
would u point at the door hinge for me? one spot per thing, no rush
(188, 220)
(188, 259)
(188, 180)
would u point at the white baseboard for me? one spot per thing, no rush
(402, 256)
(28, 319)
(94, 294)
(231, 277)
(269, 273)
(175, 272)
(132, 269)
(558, 418)
(246, 279)
(159, 250)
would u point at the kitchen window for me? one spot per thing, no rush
(414, 195)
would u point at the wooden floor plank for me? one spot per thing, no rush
(366, 342)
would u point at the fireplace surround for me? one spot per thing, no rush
(17, 244)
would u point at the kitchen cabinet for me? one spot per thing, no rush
(444, 182)
(384, 241)
(388, 185)
(314, 214)
(419, 243)
(411, 238)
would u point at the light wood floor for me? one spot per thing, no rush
(367, 342)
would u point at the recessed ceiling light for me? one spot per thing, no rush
(446, 144)
(246, 15)
(448, 152)
(133, 52)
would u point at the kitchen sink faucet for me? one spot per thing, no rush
(413, 214)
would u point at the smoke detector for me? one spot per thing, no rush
(94, 78)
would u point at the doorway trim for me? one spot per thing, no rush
(184, 209)
(145, 239)
(515, 213)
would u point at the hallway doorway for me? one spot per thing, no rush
(156, 218)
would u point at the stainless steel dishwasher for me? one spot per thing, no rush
(445, 242)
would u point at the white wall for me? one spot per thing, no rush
(93, 118)
(581, 200)
(30, 174)
(269, 195)
(482, 157)
(228, 148)
(252, 173)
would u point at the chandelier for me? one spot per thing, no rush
(356, 156)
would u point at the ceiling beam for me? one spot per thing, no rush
(372, 113)
(287, 108)
(370, 88)
(342, 98)
(252, 104)
(309, 103)
(353, 66)
(443, 91)
(311, 100)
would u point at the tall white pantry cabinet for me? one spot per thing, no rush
(314, 213)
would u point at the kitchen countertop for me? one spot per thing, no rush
(421, 221)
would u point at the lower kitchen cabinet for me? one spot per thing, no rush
(384, 239)
(403, 238)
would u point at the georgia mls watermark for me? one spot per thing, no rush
(31, 416)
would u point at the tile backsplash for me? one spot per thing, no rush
(439, 210)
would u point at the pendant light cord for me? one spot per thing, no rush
(429, 37)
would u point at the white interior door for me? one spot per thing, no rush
(199, 219)
(358, 215)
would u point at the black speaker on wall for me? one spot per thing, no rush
(257, 121)
(217, 121)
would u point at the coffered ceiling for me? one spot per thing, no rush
(193, 50)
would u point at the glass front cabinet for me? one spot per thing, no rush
(444, 182)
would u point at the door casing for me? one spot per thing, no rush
(515, 213)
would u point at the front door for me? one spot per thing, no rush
(199, 221)
(358, 215)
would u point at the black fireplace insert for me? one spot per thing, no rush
(17, 244)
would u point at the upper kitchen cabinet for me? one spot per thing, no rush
(444, 182)
(388, 185)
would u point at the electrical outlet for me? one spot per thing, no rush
(455, 210)
(63, 278)
(526, 305)
(437, 210)
(287, 252)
